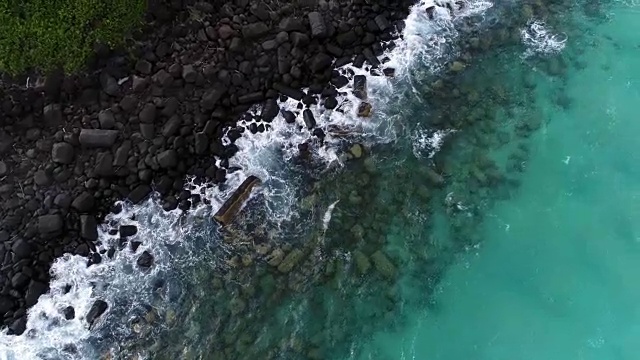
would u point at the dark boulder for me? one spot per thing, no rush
(35, 289)
(290, 92)
(147, 114)
(360, 87)
(289, 117)
(331, 103)
(318, 27)
(255, 30)
(291, 24)
(22, 249)
(270, 110)
(52, 114)
(211, 97)
(320, 62)
(104, 164)
(19, 325)
(6, 304)
(98, 138)
(83, 202)
(69, 312)
(19, 280)
(168, 159)
(106, 119)
(97, 309)
(145, 260)
(201, 143)
(48, 224)
(139, 193)
(382, 22)
(299, 39)
(128, 230)
(62, 153)
(309, 119)
(88, 227)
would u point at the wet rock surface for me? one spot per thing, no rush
(69, 152)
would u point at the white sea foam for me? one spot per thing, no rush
(428, 142)
(179, 241)
(540, 40)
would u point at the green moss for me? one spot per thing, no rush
(43, 34)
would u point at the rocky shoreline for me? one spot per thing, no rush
(70, 147)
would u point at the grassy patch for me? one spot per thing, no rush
(43, 34)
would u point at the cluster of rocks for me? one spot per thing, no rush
(73, 145)
(462, 180)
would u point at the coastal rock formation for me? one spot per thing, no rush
(71, 149)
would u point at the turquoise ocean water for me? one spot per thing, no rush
(556, 274)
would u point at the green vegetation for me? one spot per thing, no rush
(43, 34)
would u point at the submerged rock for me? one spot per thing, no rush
(237, 305)
(290, 261)
(457, 66)
(383, 265)
(362, 262)
(275, 258)
(356, 151)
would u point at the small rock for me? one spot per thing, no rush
(364, 109)
(83, 202)
(275, 258)
(19, 325)
(145, 260)
(50, 224)
(147, 114)
(356, 151)
(168, 159)
(320, 62)
(254, 30)
(309, 119)
(52, 114)
(318, 27)
(362, 261)
(383, 265)
(189, 74)
(139, 193)
(236, 305)
(97, 309)
(21, 249)
(225, 32)
(3, 168)
(88, 227)
(106, 119)
(69, 312)
(457, 66)
(98, 138)
(62, 153)
(128, 230)
(41, 178)
(360, 87)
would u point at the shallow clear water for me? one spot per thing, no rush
(556, 274)
(491, 215)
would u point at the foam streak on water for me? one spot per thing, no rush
(539, 40)
(182, 241)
